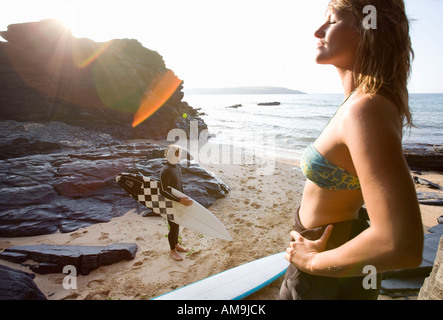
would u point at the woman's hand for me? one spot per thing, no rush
(301, 250)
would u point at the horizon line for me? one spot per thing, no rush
(280, 87)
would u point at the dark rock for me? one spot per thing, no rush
(15, 257)
(45, 268)
(235, 106)
(430, 198)
(53, 258)
(407, 282)
(399, 287)
(437, 229)
(18, 285)
(424, 156)
(269, 103)
(426, 183)
(18, 139)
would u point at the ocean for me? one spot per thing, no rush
(285, 130)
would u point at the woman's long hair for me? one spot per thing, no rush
(385, 54)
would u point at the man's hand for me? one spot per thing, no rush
(185, 201)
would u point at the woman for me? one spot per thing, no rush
(358, 160)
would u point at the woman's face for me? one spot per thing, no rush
(338, 40)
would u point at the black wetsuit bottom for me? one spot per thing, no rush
(174, 230)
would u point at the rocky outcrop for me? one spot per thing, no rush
(54, 258)
(275, 103)
(424, 156)
(46, 74)
(66, 109)
(433, 285)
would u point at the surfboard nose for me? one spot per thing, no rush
(118, 177)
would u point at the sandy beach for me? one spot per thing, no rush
(258, 212)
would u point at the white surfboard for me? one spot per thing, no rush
(233, 284)
(196, 217)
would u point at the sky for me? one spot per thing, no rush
(232, 43)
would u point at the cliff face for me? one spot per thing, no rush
(46, 74)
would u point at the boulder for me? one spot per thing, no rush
(424, 156)
(54, 258)
(430, 198)
(18, 285)
(426, 183)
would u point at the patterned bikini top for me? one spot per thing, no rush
(325, 174)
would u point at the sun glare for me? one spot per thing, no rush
(79, 22)
(67, 16)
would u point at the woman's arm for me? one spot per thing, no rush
(371, 130)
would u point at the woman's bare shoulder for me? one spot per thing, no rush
(372, 112)
(373, 105)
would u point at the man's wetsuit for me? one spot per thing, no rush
(170, 176)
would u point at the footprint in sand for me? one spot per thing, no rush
(255, 205)
(138, 264)
(178, 273)
(101, 295)
(105, 237)
(94, 284)
(76, 235)
(71, 296)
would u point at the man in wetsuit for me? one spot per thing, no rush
(170, 176)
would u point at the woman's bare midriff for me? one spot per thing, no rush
(320, 207)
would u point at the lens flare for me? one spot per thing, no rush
(160, 93)
(83, 62)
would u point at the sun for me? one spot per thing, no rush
(83, 23)
(68, 17)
